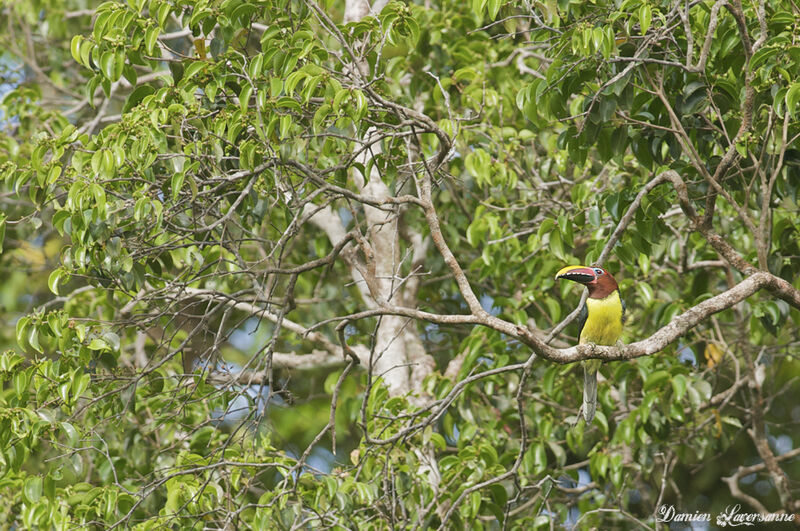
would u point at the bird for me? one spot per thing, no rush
(599, 322)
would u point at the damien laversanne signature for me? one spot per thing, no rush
(731, 516)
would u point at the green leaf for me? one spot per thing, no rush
(9, 360)
(162, 14)
(654, 379)
(86, 49)
(478, 7)
(80, 382)
(97, 191)
(63, 391)
(119, 65)
(32, 489)
(644, 265)
(100, 24)
(135, 97)
(773, 310)
(71, 433)
(107, 65)
(704, 388)
(597, 38)
(80, 331)
(494, 8)
(732, 421)
(54, 278)
(285, 124)
(151, 38)
(97, 344)
(679, 384)
(761, 56)
(625, 431)
(557, 245)
(553, 308)
(613, 206)
(244, 97)
(75, 48)
(476, 231)
(54, 322)
(176, 185)
(2, 230)
(33, 340)
(601, 420)
(256, 66)
(645, 18)
(539, 458)
(645, 292)
(21, 331)
(558, 451)
(21, 383)
(792, 96)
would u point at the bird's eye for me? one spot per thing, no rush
(599, 271)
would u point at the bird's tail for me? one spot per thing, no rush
(589, 390)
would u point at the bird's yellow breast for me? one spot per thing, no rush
(604, 323)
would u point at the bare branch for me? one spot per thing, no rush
(282, 360)
(424, 187)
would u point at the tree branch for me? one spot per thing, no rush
(659, 340)
(282, 360)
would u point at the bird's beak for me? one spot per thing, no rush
(577, 273)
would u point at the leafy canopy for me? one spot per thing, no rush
(227, 294)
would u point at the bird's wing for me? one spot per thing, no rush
(582, 316)
(623, 309)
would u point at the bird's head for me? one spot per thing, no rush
(599, 281)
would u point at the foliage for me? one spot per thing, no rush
(220, 240)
